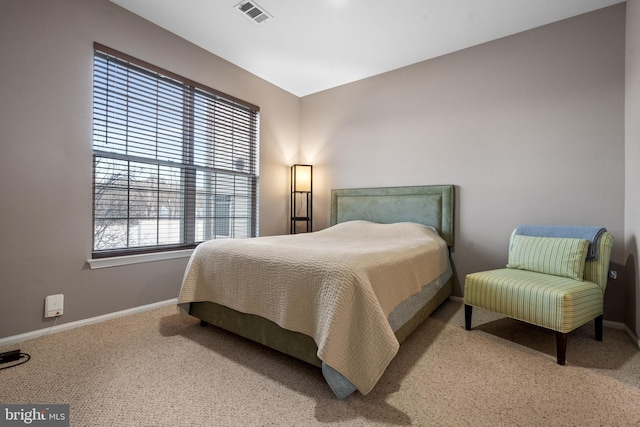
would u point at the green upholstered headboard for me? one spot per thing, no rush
(428, 204)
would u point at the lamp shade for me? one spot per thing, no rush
(301, 178)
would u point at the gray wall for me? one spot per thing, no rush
(530, 129)
(45, 155)
(632, 163)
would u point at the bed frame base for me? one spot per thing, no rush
(295, 344)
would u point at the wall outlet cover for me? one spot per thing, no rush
(53, 305)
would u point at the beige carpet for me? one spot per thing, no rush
(160, 369)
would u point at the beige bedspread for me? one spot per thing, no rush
(336, 285)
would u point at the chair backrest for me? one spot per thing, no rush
(596, 271)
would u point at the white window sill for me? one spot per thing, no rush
(137, 259)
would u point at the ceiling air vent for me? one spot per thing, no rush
(253, 11)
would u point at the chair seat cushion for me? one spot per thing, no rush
(553, 302)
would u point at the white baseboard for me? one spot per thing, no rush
(633, 337)
(606, 323)
(72, 325)
(614, 325)
(623, 327)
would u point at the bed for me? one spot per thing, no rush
(343, 298)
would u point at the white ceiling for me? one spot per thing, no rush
(311, 45)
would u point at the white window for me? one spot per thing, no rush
(174, 163)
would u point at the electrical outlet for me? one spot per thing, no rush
(53, 305)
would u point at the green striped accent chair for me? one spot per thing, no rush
(548, 283)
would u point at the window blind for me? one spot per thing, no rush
(174, 163)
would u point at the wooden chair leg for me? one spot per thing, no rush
(561, 347)
(468, 311)
(599, 328)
